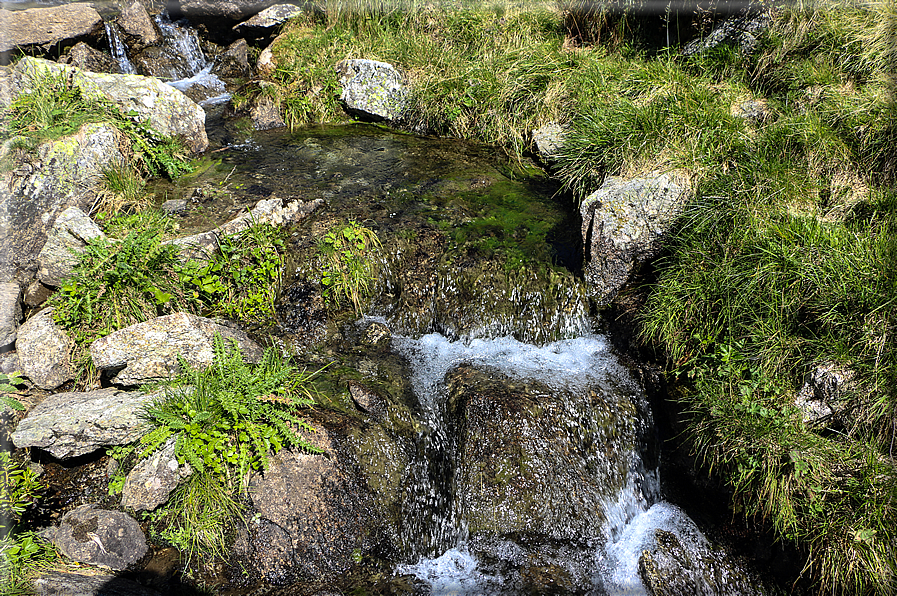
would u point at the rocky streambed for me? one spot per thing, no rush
(478, 433)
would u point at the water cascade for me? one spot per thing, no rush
(118, 50)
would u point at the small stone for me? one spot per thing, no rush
(366, 400)
(99, 537)
(153, 479)
(265, 115)
(66, 240)
(10, 313)
(43, 349)
(548, 140)
(174, 206)
(9, 363)
(37, 293)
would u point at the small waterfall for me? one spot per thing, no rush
(118, 50)
(183, 42)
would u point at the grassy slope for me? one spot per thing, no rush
(788, 258)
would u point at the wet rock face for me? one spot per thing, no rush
(149, 350)
(44, 29)
(532, 460)
(76, 423)
(623, 223)
(99, 537)
(668, 568)
(265, 23)
(372, 90)
(323, 507)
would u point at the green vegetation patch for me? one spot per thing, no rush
(135, 277)
(349, 264)
(227, 421)
(56, 107)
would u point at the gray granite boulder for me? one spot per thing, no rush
(823, 393)
(67, 238)
(372, 90)
(85, 57)
(265, 23)
(151, 481)
(10, 312)
(231, 10)
(60, 583)
(623, 224)
(168, 110)
(95, 536)
(149, 350)
(271, 211)
(43, 348)
(65, 172)
(70, 424)
(137, 27)
(548, 140)
(743, 30)
(46, 29)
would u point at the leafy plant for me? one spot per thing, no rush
(229, 417)
(349, 266)
(19, 489)
(228, 420)
(10, 383)
(21, 556)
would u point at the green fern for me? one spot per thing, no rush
(230, 416)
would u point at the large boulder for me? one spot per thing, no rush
(533, 460)
(66, 240)
(372, 90)
(168, 110)
(233, 62)
(623, 224)
(231, 10)
(150, 350)
(137, 27)
(95, 536)
(70, 424)
(65, 172)
(10, 313)
(47, 29)
(43, 348)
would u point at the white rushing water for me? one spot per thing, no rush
(632, 515)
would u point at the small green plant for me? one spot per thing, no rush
(349, 264)
(9, 384)
(227, 421)
(199, 519)
(230, 417)
(21, 556)
(19, 489)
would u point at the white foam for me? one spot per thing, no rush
(570, 363)
(454, 573)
